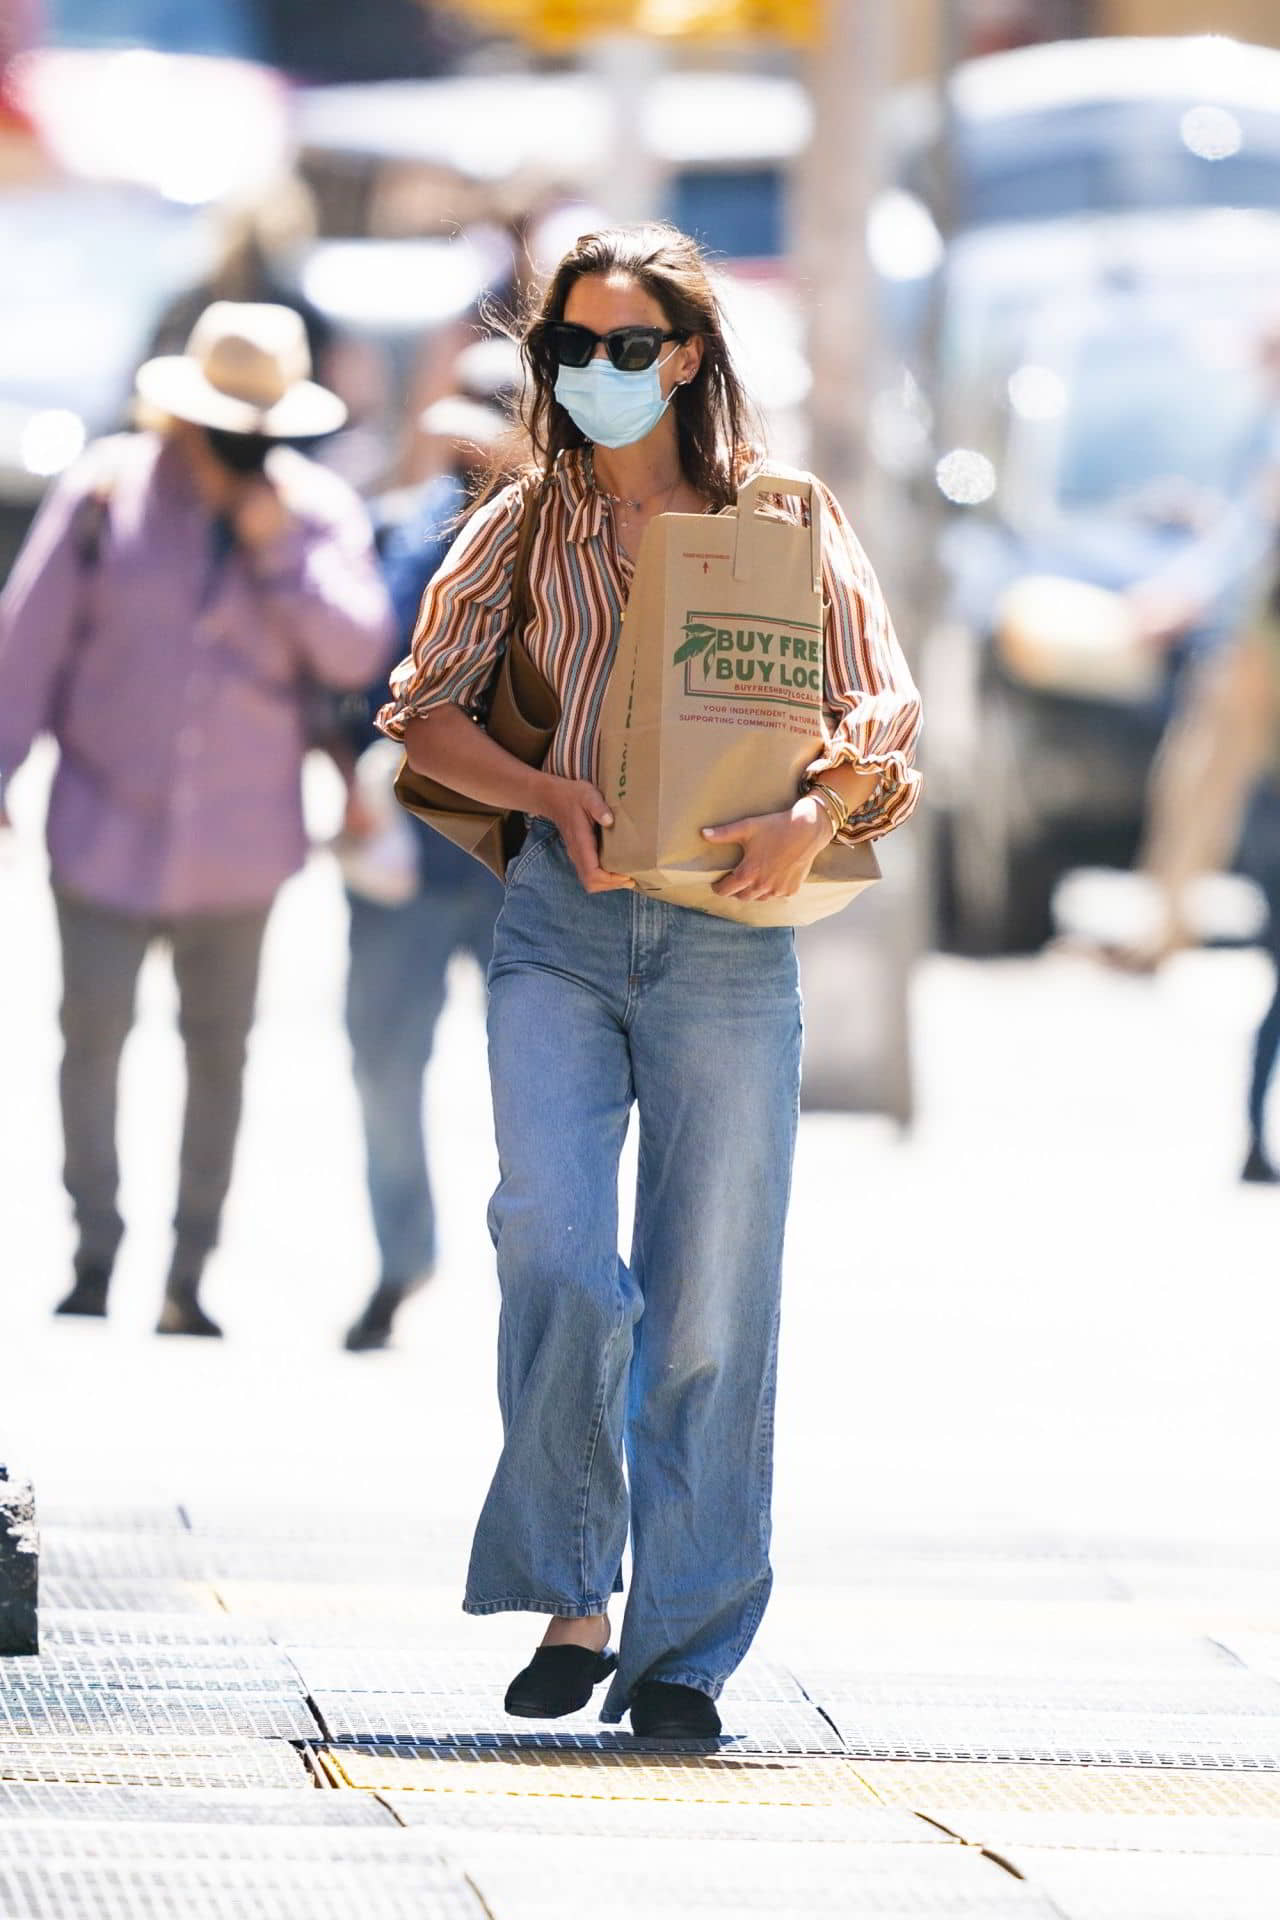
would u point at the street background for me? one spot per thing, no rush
(1028, 1571)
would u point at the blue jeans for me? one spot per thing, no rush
(395, 991)
(667, 1362)
(1260, 858)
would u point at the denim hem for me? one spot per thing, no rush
(685, 1678)
(522, 1603)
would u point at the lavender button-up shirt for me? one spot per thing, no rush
(170, 665)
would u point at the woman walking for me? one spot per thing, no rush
(601, 997)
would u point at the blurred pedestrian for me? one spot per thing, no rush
(601, 997)
(1193, 613)
(179, 591)
(412, 912)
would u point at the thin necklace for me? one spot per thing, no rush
(621, 499)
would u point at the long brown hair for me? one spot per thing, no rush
(711, 410)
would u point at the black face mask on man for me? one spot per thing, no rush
(244, 453)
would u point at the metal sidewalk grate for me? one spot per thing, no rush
(944, 1790)
(179, 1763)
(66, 1843)
(347, 1604)
(628, 1818)
(1222, 1691)
(126, 1596)
(1216, 1833)
(77, 1627)
(1060, 1738)
(79, 1515)
(222, 1890)
(143, 1714)
(22, 1801)
(77, 1553)
(217, 1669)
(561, 1773)
(443, 1720)
(941, 1649)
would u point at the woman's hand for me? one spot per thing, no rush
(577, 809)
(778, 850)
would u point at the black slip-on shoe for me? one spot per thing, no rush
(558, 1680)
(1258, 1170)
(372, 1330)
(661, 1710)
(182, 1312)
(88, 1295)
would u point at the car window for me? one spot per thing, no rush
(1146, 406)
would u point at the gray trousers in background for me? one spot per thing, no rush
(215, 964)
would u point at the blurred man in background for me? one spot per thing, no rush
(415, 900)
(179, 592)
(1196, 612)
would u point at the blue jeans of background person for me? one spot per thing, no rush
(669, 1362)
(395, 990)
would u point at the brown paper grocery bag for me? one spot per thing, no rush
(714, 704)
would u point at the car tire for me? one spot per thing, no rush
(997, 867)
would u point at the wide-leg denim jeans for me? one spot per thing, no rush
(669, 1362)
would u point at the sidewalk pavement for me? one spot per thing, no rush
(1023, 1657)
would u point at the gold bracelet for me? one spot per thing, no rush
(827, 809)
(833, 801)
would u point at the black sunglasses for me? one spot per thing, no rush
(631, 349)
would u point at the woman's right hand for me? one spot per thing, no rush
(577, 809)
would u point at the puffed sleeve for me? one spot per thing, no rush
(461, 620)
(871, 709)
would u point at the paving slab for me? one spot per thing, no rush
(1115, 1886)
(538, 1880)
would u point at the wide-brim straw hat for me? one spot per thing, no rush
(246, 370)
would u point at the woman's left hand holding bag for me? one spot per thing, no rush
(778, 850)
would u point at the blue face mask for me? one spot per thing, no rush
(613, 409)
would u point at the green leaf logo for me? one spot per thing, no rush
(698, 638)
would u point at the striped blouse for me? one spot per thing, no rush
(579, 578)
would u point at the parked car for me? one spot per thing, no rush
(1104, 377)
(1060, 132)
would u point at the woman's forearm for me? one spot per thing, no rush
(854, 788)
(447, 746)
